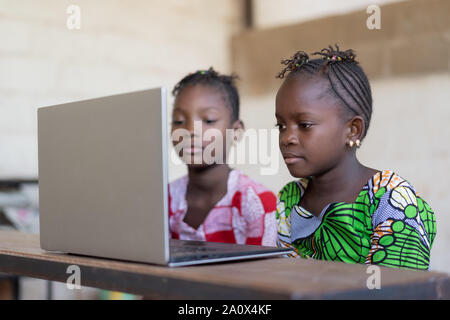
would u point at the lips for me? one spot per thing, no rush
(291, 158)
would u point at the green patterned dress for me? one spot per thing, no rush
(388, 224)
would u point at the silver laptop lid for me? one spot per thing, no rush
(103, 177)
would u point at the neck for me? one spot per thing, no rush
(208, 178)
(348, 173)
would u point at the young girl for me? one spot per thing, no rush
(339, 209)
(214, 202)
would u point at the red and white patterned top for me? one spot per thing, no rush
(245, 215)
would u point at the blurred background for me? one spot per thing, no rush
(126, 46)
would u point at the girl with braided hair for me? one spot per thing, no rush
(339, 209)
(214, 202)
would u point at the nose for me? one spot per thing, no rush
(190, 125)
(289, 136)
(194, 128)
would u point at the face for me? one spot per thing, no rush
(312, 130)
(200, 121)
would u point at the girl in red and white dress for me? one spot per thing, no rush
(214, 202)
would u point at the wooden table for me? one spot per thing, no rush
(272, 278)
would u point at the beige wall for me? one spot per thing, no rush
(271, 13)
(121, 46)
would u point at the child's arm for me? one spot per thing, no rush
(404, 228)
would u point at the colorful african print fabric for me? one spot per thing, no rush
(388, 224)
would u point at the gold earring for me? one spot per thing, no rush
(358, 143)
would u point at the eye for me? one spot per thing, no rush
(177, 122)
(305, 125)
(209, 121)
(280, 126)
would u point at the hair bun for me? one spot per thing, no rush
(296, 61)
(335, 55)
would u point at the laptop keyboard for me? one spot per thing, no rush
(182, 251)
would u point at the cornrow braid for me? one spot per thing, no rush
(348, 81)
(210, 77)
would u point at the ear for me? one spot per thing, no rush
(355, 128)
(239, 129)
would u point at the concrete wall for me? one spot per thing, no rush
(408, 63)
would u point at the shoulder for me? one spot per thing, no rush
(288, 197)
(386, 181)
(245, 183)
(399, 201)
(291, 193)
(251, 193)
(389, 191)
(401, 219)
(293, 188)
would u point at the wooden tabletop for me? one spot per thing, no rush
(270, 278)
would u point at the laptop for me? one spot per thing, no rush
(103, 184)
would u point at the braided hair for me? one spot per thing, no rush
(210, 77)
(347, 81)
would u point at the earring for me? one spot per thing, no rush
(350, 143)
(358, 143)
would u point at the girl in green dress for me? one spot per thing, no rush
(339, 209)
